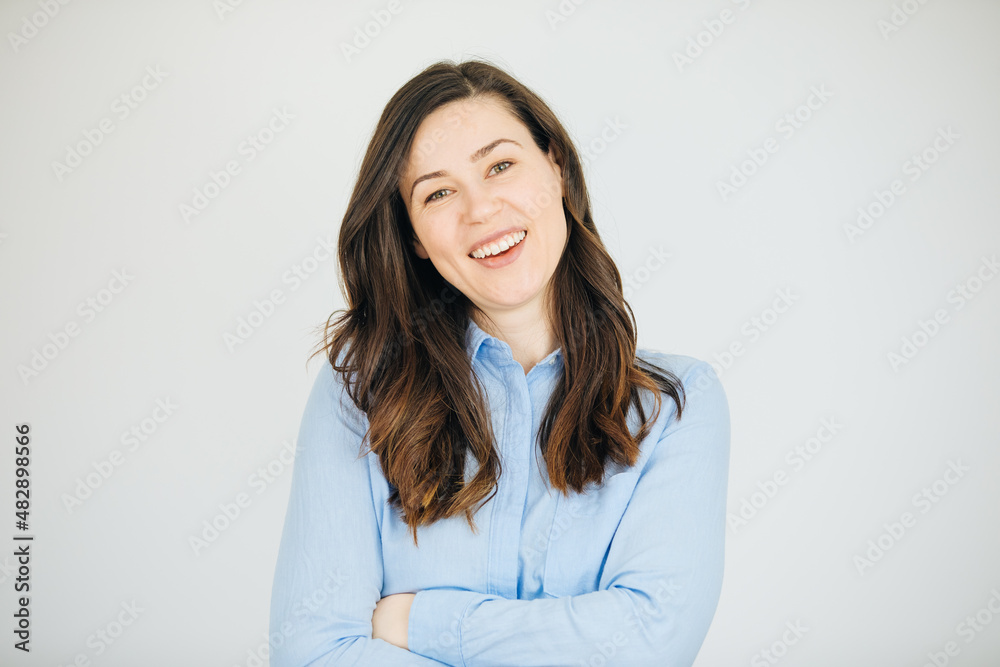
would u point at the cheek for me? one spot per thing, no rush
(438, 236)
(551, 215)
(548, 194)
(538, 204)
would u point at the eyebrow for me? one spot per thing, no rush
(475, 157)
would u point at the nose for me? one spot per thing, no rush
(482, 203)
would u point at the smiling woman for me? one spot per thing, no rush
(493, 471)
(500, 207)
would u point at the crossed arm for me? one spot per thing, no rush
(655, 601)
(391, 620)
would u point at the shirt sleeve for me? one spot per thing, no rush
(328, 576)
(658, 590)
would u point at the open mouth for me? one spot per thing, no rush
(500, 247)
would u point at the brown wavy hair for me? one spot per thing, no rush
(400, 344)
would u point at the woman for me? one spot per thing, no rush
(484, 473)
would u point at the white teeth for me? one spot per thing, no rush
(496, 247)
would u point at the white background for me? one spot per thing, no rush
(684, 127)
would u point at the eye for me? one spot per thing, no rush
(506, 164)
(501, 166)
(434, 195)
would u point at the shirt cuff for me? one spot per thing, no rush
(436, 619)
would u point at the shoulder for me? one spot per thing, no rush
(696, 375)
(329, 403)
(700, 438)
(681, 365)
(703, 392)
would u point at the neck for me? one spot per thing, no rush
(530, 336)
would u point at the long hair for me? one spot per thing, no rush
(400, 344)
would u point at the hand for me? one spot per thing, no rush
(391, 620)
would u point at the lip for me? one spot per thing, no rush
(509, 257)
(494, 237)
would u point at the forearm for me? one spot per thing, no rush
(368, 651)
(467, 628)
(352, 651)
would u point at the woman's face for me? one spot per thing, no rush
(475, 177)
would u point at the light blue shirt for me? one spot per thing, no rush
(628, 573)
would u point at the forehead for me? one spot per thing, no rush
(453, 131)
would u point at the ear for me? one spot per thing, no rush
(419, 248)
(553, 155)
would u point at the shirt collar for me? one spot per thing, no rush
(480, 343)
(474, 338)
